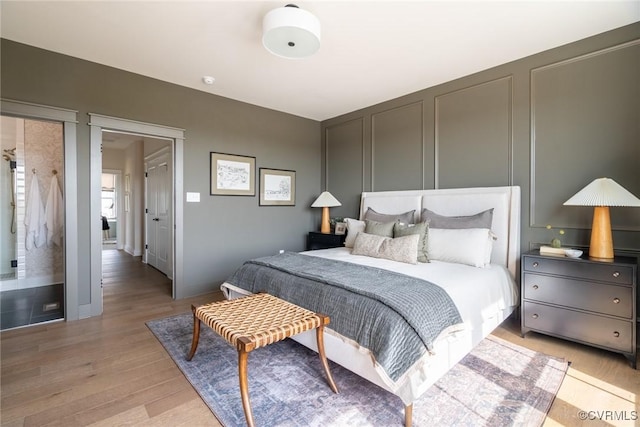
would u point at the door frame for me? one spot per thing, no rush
(98, 123)
(69, 121)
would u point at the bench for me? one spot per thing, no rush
(256, 321)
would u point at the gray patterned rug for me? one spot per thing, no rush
(497, 384)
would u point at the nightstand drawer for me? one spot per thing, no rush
(589, 328)
(317, 240)
(612, 273)
(596, 297)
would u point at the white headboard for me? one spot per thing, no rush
(505, 202)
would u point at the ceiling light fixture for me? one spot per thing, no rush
(291, 32)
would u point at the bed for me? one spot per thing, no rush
(481, 286)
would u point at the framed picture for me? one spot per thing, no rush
(341, 227)
(232, 175)
(277, 187)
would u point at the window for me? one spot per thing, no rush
(109, 202)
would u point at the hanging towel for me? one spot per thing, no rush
(34, 219)
(54, 214)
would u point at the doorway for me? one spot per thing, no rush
(136, 197)
(32, 222)
(173, 138)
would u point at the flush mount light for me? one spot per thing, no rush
(291, 32)
(208, 80)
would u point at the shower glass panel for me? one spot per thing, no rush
(32, 222)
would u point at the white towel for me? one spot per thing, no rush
(34, 219)
(53, 213)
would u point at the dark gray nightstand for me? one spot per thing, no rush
(317, 240)
(582, 300)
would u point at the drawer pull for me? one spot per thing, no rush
(616, 300)
(616, 334)
(616, 274)
(535, 286)
(534, 315)
(535, 264)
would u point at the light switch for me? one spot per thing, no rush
(193, 197)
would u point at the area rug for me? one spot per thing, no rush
(497, 384)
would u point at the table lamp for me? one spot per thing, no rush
(602, 193)
(325, 201)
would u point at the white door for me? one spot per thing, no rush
(158, 213)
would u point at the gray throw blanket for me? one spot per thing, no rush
(396, 317)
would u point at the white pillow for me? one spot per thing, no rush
(471, 246)
(354, 226)
(402, 249)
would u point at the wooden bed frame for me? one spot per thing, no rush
(450, 202)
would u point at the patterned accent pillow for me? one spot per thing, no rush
(422, 230)
(480, 220)
(379, 228)
(402, 249)
(406, 217)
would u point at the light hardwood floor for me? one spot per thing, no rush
(111, 371)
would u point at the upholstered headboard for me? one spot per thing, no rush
(505, 202)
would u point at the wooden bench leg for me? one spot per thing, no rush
(408, 415)
(196, 334)
(244, 386)
(323, 358)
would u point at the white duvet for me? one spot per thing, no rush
(479, 293)
(484, 297)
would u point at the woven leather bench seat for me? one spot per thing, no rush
(256, 321)
(262, 319)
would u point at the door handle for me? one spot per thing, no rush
(156, 219)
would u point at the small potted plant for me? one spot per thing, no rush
(555, 241)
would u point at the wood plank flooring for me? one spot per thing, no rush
(103, 371)
(111, 370)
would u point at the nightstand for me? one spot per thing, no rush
(582, 300)
(317, 240)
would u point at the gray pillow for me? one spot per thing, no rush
(421, 229)
(479, 220)
(406, 217)
(379, 228)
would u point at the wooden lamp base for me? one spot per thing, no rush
(601, 240)
(325, 227)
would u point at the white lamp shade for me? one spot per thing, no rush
(325, 200)
(603, 192)
(291, 32)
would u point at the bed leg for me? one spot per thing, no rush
(408, 415)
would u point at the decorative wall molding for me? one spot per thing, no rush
(377, 116)
(327, 139)
(535, 75)
(438, 117)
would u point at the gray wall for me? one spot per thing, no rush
(220, 232)
(549, 123)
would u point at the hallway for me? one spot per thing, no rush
(125, 276)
